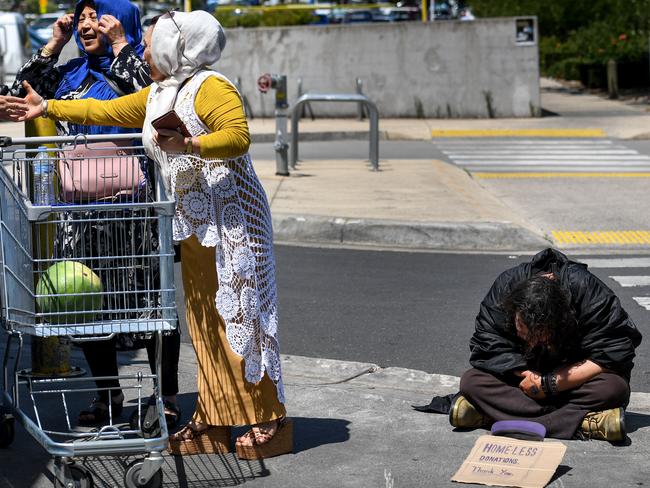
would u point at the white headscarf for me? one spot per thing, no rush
(180, 47)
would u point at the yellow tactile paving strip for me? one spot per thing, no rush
(615, 237)
(586, 133)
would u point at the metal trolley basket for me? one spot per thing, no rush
(48, 256)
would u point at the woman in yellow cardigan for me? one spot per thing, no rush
(223, 219)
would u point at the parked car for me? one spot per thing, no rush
(393, 14)
(14, 45)
(321, 16)
(357, 16)
(443, 11)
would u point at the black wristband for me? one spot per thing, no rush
(552, 383)
(545, 386)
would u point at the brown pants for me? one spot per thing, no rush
(225, 397)
(500, 398)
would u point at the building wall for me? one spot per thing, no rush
(442, 69)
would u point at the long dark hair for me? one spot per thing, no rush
(545, 307)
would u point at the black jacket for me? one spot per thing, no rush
(607, 335)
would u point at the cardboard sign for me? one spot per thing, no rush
(504, 461)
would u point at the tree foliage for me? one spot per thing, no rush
(581, 32)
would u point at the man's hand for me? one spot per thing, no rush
(12, 108)
(112, 30)
(531, 384)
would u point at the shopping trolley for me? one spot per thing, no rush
(84, 266)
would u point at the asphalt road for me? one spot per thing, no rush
(355, 149)
(411, 310)
(417, 310)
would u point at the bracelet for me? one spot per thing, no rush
(46, 52)
(549, 384)
(44, 108)
(545, 389)
(189, 149)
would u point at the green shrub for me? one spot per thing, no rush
(241, 17)
(578, 37)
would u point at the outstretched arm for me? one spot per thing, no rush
(11, 108)
(128, 111)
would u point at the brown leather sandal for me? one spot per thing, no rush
(189, 441)
(265, 445)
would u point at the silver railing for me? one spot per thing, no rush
(336, 97)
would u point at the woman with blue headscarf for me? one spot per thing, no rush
(109, 36)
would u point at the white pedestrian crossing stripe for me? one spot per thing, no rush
(626, 281)
(544, 155)
(643, 301)
(617, 262)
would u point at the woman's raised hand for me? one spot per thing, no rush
(61, 33)
(113, 31)
(33, 104)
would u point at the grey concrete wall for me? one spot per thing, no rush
(441, 69)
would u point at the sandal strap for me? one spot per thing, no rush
(187, 433)
(256, 434)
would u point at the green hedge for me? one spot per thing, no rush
(242, 17)
(578, 37)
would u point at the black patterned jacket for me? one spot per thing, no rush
(128, 74)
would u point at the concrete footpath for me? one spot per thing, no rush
(354, 427)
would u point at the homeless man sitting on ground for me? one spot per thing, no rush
(552, 344)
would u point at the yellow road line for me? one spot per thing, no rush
(586, 133)
(616, 237)
(522, 175)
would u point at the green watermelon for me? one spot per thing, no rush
(74, 278)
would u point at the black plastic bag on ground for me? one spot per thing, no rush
(439, 404)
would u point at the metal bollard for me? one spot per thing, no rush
(337, 97)
(279, 84)
(305, 107)
(362, 113)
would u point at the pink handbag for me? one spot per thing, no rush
(98, 171)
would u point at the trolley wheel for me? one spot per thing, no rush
(80, 477)
(133, 473)
(7, 430)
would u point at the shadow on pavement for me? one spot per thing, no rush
(309, 433)
(205, 470)
(561, 470)
(220, 470)
(635, 421)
